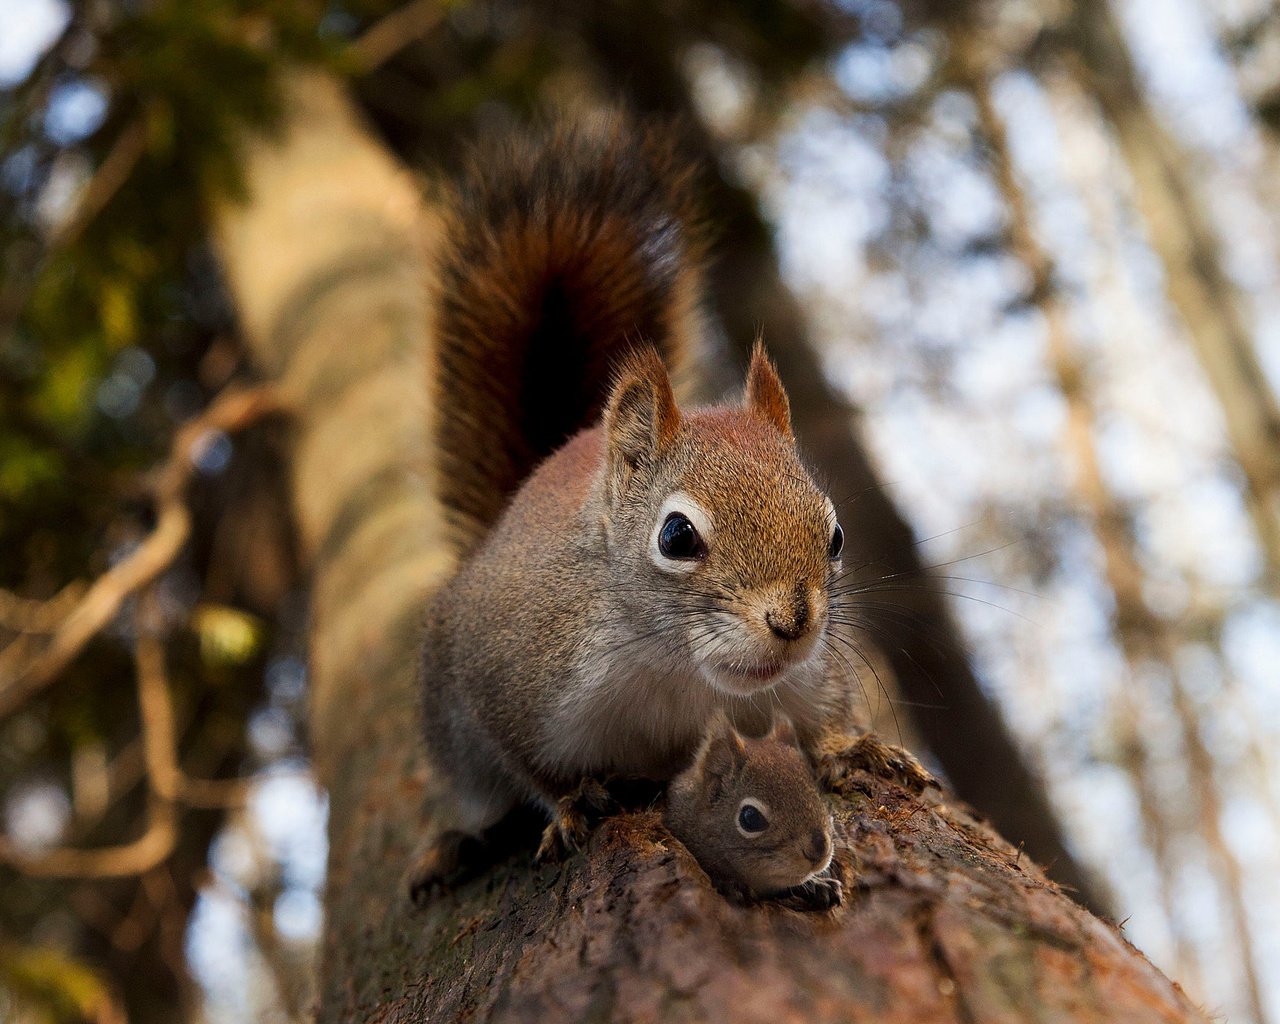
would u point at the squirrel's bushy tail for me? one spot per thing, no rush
(560, 254)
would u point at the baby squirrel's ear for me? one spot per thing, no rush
(641, 419)
(783, 731)
(722, 755)
(766, 397)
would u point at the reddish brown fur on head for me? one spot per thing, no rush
(758, 572)
(765, 396)
(641, 420)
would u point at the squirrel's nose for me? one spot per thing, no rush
(789, 623)
(818, 849)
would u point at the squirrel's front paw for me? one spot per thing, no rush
(871, 754)
(570, 825)
(567, 833)
(825, 892)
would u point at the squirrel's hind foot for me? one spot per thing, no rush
(436, 865)
(571, 821)
(871, 754)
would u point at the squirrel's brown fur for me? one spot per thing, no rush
(577, 638)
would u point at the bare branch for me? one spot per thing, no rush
(233, 410)
(135, 858)
(23, 615)
(111, 174)
(159, 741)
(169, 786)
(160, 737)
(389, 35)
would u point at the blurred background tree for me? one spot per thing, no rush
(1017, 261)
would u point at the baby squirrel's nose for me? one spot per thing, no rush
(818, 849)
(789, 623)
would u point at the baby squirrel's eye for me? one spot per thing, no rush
(751, 820)
(837, 542)
(679, 538)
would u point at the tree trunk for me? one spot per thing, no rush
(944, 920)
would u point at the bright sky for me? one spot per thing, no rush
(27, 29)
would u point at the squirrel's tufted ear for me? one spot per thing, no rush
(783, 731)
(641, 418)
(766, 397)
(722, 755)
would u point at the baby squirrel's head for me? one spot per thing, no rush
(750, 811)
(715, 529)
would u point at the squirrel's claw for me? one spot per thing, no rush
(815, 896)
(567, 833)
(822, 893)
(871, 754)
(570, 826)
(423, 886)
(593, 794)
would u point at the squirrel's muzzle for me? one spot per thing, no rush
(818, 849)
(789, 619)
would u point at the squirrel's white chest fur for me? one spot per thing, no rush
(628, 718)
(643, 712)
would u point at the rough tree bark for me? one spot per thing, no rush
(945, 921)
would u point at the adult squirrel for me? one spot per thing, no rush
(627, 568)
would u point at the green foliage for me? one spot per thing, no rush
(52, 986)
(228, 637)
(25, 469)
(126, 285)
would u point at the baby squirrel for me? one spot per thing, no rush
(626, 568)
(751, 812)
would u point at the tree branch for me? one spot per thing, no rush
(107, 180)
(392, 33)
(167, 784)
(232, 411)
(23, 615)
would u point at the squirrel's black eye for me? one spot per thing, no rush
(751, 820)
(679, 538)
(837, 542)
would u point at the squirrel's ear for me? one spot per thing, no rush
(723, 753)
(783, 731)
(765, 394)
(641, 418)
